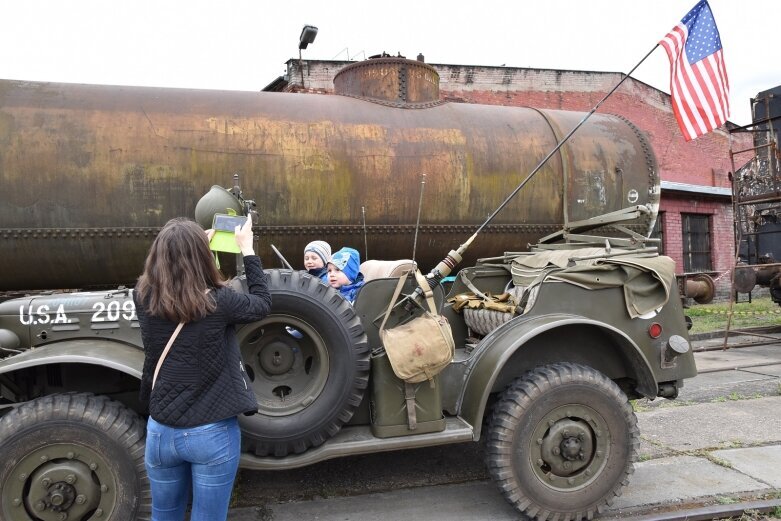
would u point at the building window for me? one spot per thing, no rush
(658, 232)
(696, 242)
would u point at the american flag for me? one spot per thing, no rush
(698, 78)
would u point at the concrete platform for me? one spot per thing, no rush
(681, 479)
(666, 482)
(764, 465)
(724, 424)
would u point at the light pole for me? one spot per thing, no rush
(308, 34)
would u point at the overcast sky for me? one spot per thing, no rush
(243, 44)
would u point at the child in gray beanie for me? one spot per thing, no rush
(317, 255)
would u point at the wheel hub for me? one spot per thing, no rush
(570, 446)
(60, 481)
(277, 357)
(60, 496)
(287, 363)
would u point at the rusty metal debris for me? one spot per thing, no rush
(756, 200)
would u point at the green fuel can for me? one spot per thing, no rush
(389, 406)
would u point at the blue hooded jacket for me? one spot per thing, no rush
(320, 273)
(348, 260)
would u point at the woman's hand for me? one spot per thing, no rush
(244, 237)
(209, 234)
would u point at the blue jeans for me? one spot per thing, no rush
(203, 458)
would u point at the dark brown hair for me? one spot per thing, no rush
(178, 270)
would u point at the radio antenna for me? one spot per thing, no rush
(365, 240)
(417, 224)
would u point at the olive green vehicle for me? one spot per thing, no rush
(543, 382)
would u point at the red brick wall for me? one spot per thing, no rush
(721, 229)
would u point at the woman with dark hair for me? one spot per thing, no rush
(193, 380)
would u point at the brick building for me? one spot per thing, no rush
(696, 216)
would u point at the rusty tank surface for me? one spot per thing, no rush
(90, 173)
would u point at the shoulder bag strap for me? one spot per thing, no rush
(468, 283)
(423, 283)
(165, 352)
(402, 279)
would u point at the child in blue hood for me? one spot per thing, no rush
(344, 273)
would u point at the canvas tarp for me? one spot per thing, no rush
(645, 279)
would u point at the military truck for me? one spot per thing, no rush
(586, 323)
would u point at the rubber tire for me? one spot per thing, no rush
(482, 321)
(519, 411)
(305, 298)
(95, 422)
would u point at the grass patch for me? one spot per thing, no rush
(713, 317)
(702, 453)
(735, 396)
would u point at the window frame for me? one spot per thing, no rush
(696, 242)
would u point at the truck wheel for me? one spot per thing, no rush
(74, 456)
(308, 363)
(562, 442)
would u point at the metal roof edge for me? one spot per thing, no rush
(697, 189)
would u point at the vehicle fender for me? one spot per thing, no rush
(500, 346)
(115, 355)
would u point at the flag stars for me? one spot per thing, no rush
(703, 37)
(699, 88)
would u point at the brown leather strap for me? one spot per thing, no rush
(169, 344)
(409, 400)
(468, 283)
(423, 283)
(165, 352)
(402, 280)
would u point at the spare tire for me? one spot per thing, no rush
(308, 363)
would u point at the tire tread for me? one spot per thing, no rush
(311, 287)
(519, 398)
(111, 418)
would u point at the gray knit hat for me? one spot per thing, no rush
(321, 248)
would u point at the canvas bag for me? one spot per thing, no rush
(419, 349)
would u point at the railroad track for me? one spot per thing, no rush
(707, 513)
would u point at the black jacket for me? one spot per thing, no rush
(202, 379)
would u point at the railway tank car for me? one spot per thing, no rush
(90, 173)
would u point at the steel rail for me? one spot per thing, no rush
(707, 513)
(739, 367)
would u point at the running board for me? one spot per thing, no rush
(352, 441)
